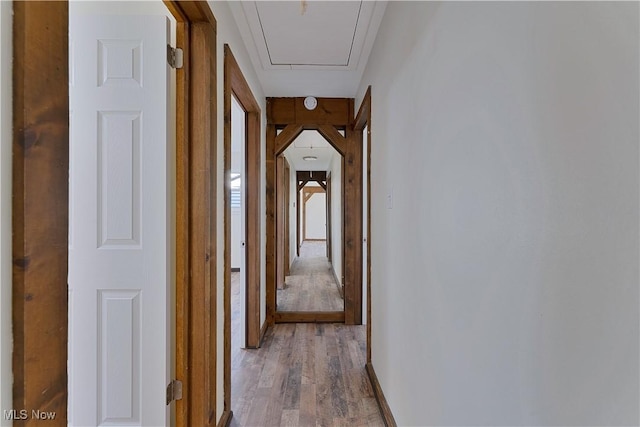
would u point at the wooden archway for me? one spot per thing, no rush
(331, 115)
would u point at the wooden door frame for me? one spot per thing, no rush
(280, 270)
(362, 120)
(287, 217)
(235, 84)
(40, 209)
(330, 115)
(328, 225)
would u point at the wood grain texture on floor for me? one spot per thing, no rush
(310, 285)
(304, 374)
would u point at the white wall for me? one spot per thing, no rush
(316, 217)
(508, 133)
(336, 214)
(238, 123)
(6, 343)
(235, 238)
(227, 32)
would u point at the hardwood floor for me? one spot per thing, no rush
(303, 375)
(310, 285)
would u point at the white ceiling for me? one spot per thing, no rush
(310, 143)
(317, 48)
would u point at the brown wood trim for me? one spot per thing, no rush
(270, 262)
(253, 244)
(284, 138)
(225, 419)
(307, 176)
(352, 265)
(227, 132)
(280, 226)
(310, 191)
(182, 221)
(202, 315)
(329, 222)
(191, 11)
(364, 112)
(363, 119)
(309, 317)
(332, 111)
(327, 131)
(187, 13)
(40, 206)
(298, 223)
(342, 223)
(287, 218)
(235, 84)
(331, 134)
(385, 410)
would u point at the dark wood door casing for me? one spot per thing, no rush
(40, 169)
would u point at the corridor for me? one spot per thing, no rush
(304, 374)
(310, 285)
(480, 168)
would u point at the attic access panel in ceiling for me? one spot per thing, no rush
(310, 33)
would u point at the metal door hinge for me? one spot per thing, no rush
(174, 391)
(175, 57)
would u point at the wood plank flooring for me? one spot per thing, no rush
(303, 375)
(310, 285)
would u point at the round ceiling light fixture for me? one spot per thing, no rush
(310, 158)
(310, 103)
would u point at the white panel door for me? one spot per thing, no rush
(119, 260)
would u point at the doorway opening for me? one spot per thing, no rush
(362, 127)
(238, 227)
(308, 278)
(244, 324)
(333, 120)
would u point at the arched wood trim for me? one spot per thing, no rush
(331, 134)
(328, 132)
(284, 138)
